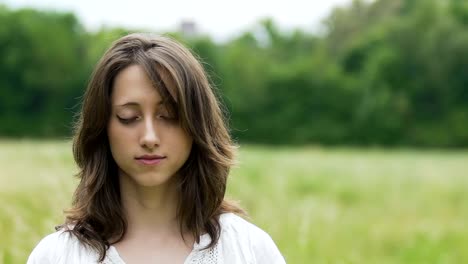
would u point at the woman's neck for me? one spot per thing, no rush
(149, 210)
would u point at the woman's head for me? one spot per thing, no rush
(177, 88)
(146, 139)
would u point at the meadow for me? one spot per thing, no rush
(320, 205)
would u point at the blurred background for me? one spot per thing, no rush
(352, 117)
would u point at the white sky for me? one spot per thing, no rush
(220, 19)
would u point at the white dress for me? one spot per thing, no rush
(239, 242)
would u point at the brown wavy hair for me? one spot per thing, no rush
(96, 217)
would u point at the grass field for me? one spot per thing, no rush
(319, 205)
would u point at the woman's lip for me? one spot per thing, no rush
(150, 157)
(150, 161)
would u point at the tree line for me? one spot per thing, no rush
(386, 72)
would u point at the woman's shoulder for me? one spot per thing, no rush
(59, 247)
(238, 226)
(239, 234)
(231, 222)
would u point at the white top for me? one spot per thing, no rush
(239, 242)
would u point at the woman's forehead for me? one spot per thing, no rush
(133, 86)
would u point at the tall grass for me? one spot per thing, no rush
(319, 205)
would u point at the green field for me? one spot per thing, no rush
(320, 205)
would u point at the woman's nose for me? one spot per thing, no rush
(150, 137)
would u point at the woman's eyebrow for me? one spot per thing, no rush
(128, 104)
(136, 104)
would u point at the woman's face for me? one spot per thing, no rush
(140, 125)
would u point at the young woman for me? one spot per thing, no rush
(154, 155)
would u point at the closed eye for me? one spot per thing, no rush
(167, 117)
(173, 120)
(127, 120)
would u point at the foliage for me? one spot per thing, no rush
(385, 72)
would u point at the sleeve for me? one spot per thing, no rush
(41, 253)
(265, 249)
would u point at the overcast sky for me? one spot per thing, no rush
(220, 19)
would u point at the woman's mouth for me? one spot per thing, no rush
(150, 159)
